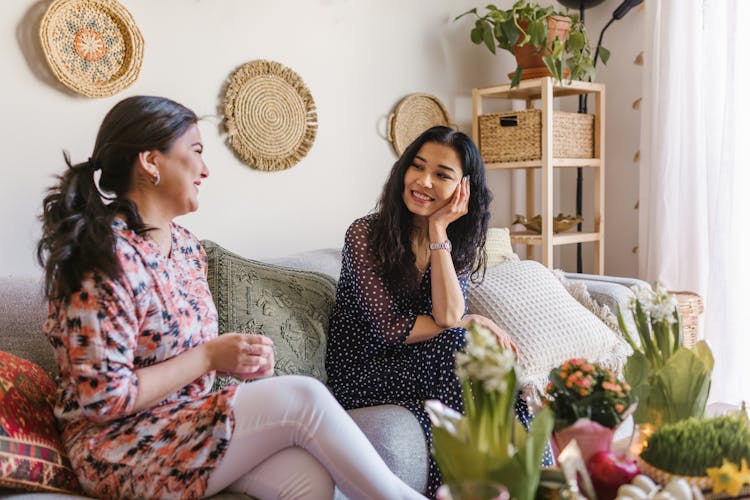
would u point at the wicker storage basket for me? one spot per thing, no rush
(690, 305)
(517, 135)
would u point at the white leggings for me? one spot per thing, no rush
(292, 440)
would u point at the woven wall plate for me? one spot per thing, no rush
(92, 46)
(414, 114)
(270, 115)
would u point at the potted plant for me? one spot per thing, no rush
(589, 403)
(671, 381)
(488, 445)
(544, 41)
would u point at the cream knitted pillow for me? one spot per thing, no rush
(498, 246)
(546, 323)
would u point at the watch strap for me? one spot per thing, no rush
(443, 245)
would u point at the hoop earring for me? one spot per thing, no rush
(156, 179)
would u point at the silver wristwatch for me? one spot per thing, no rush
(443, 245)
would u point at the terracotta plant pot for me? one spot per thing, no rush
(529, 57)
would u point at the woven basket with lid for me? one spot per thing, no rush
(517, 135)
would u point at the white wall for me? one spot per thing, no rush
(623, 80)
(358, 57)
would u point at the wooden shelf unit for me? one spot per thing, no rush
(546, 90)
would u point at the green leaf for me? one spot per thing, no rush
(576, 42)
(456, 459)
(624, 330)
(703, 352)
(521, 473)
(677, 330)
(489, 39)
(516, 77)
(476, 35)
(681, 386)
(557, 49)
(603, 54)
(549, 62)
(637, 373)
(537, 31)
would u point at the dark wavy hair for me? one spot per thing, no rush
(392, 229)
(77, 215)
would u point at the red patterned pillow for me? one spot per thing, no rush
(31, 455)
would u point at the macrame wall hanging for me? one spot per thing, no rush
(270, 115)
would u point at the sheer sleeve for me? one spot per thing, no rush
(375, 300)
(101, 332)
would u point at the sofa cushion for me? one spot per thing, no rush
(31, 455)
(547, 324)
(498, 246)
(23, 311)
(288, 305)
(398, 438)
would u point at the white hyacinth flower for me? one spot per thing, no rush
(484, 360)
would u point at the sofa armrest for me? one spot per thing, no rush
(610, 291)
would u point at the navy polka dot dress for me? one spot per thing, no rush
(367, 360)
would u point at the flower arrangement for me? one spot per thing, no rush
(488, 443)
(670, 381)
(580, 389)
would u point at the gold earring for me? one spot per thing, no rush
(156, 179)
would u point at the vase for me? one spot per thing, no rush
(472, 490)
(591, 437)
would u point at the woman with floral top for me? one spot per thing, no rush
(400, 312)
(135, 334)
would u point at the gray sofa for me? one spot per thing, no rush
(394, 432)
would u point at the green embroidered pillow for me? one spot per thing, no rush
(288, 305)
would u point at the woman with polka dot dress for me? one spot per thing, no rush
(400, 313)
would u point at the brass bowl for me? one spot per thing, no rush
(559, 224)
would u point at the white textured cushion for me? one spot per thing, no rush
(498, 246)
(546, 323)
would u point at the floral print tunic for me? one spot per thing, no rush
(158, 308)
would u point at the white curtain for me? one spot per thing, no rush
(695, 166)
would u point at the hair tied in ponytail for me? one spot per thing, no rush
(93, 165)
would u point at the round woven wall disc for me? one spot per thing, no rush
(414, 114)
(270, 115)
(93, 47)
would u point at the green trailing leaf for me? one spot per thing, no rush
(549, 63)
(509, 34)
(516, 77)
(489, 39)
(537, 32)
(476, 35)
(576, 42)
(603, 54)
(472, 11)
